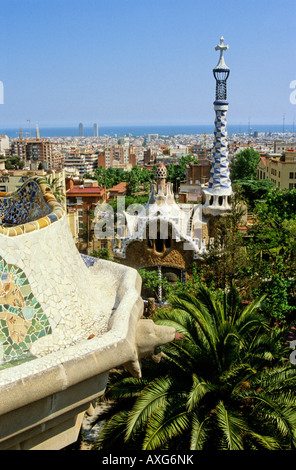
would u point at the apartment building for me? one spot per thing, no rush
(42, 151)
(148, 156)
(138, 151)
(102, 160)
(18, 147)
(82, 196)
(279, 168)
(132, 159)
(84, 163)
(111, 159)
(116, 155)
(37, 150)
(4, 144)
(179, 151)
(197, 174)
(280, 146)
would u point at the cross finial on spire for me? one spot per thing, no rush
(221, 47)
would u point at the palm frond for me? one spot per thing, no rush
(233, 427)
(198, 390)
(199, 433)
(250, 317)
(113, 431)
(235, 376)
(179, 319)
(153, 396)
(264, 441)
(216, 309)
(202, 318)
(126, 387)
(281, 418)
(164, 424)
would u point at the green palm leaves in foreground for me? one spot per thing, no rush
(227, 385)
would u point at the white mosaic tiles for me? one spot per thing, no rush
(77, 302)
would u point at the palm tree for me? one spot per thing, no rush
(56, 188)
(225, 386)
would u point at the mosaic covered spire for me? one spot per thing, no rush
(219, 175)
(219, 189)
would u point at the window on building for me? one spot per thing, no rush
(104, 243)
(159, 243)
(167, 242)
(291, 175)
(150, 243)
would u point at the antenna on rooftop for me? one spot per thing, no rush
(29, 121)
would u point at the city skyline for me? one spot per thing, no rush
(146, 62)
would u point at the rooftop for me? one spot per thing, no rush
(120, 187)
(84, 190)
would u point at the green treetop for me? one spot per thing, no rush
(244, 165)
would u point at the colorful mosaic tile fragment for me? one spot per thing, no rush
(22, 320)
(30, 208)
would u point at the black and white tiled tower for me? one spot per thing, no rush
(217, 195)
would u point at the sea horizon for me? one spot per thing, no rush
(143, 130)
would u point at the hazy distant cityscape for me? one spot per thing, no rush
(97, 130)
(64, 149)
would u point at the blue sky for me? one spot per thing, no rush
(144, 61)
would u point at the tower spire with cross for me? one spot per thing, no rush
(221, 72)
(217, 195)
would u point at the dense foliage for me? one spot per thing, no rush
(138, 179)
(226, 385)
(14, 162)
(244, 165)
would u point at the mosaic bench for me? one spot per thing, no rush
(32, 207)
(65, 322)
